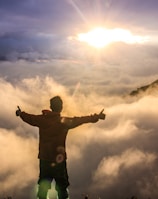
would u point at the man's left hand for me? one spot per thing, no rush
(18, 111)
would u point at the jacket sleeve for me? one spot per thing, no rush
(77, 121)
(34, 120)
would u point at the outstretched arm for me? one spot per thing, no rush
(34, 120)
(77, 121)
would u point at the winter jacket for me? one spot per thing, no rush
(53, 130)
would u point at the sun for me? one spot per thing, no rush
(100, 37)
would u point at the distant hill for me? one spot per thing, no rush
(143, 89)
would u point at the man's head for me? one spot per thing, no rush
(56, 104)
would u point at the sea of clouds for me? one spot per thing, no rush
(114, 158)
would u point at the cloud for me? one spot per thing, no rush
(27, 46)
(119, 153)
(109, 168)
(40, 31)
(47, 16)
(18, 167)
(117, 69)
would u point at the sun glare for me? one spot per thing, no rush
(101, 37)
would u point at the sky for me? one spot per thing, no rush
(42, 55)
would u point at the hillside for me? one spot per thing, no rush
(147, 88)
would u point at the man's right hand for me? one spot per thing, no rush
(102, 115)
(18, 111)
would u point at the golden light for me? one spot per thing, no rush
(101, 37)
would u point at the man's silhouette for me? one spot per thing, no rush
(53, 129)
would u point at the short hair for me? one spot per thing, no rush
(56, 104)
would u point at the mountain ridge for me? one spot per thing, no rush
(144, 89)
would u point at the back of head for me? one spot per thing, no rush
(56, 104)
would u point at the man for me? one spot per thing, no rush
(53, 129)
